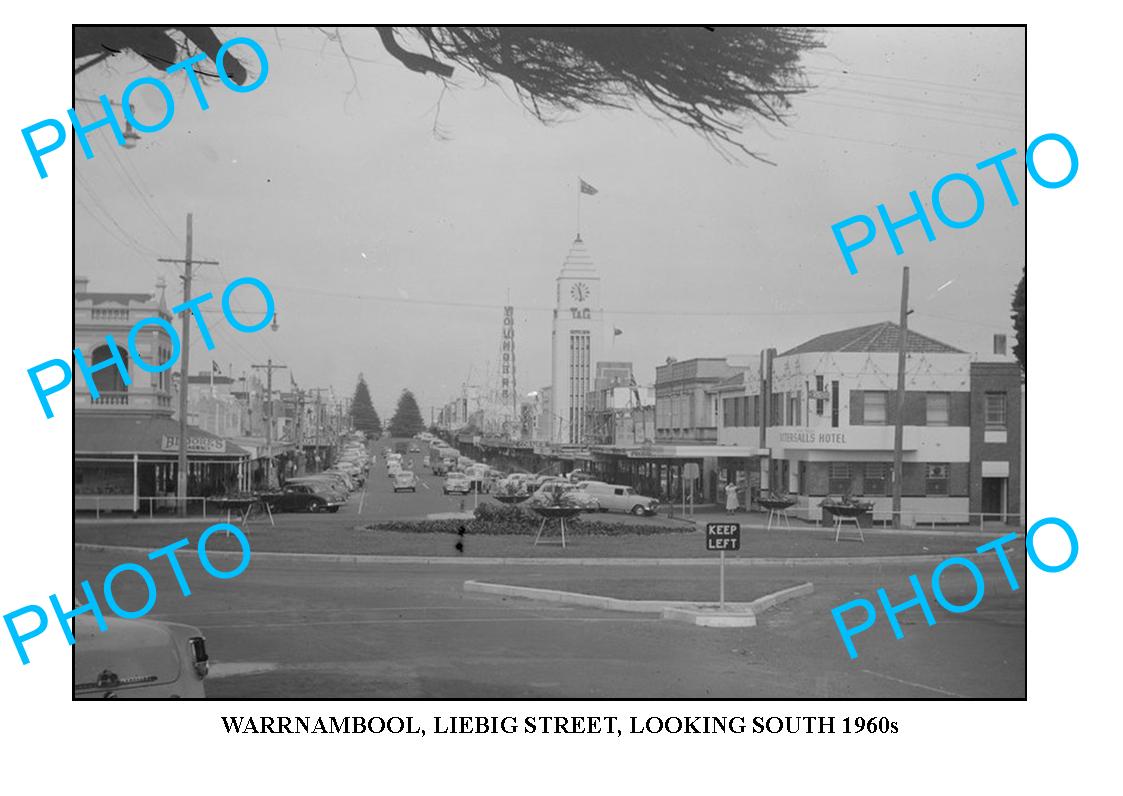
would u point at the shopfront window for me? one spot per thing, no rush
(839, 483)
(876, 480)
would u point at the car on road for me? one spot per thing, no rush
(414, 449)
(138, 659)
(562, 493)
(458, 483)
(617, 497)
(405, 481)
(303, 497)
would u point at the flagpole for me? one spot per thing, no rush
(579, 207)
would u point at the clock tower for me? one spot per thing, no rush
(577, 338)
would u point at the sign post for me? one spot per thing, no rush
(690, 471)
(722, 536)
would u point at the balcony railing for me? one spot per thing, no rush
(109, 314)
(111, 399)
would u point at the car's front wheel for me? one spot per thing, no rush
(315, 506)
(639, 511)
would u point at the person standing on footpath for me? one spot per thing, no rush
(732, 502)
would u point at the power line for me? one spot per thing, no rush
(927, 104)
(661, 313)
(949, 87)
(911, 116)
(97, 203)
(881, 143)
(141, 193)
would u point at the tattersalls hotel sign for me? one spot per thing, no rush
(821, 439)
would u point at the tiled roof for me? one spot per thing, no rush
(879, 337)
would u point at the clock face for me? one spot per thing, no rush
(580, 291)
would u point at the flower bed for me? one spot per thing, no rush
(498, 519)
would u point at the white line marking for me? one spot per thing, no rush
(218, 670)
(436, 622)
(915, 685)
(362, 498)
(480, 607)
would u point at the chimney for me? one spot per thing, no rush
(1000, 344)
(81, 284)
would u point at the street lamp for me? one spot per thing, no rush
(130, 135)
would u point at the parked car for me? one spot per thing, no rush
(393, 468)
(405, 481)
(457, 482)
(616, 497)
(138, 659)
(303, 497)
(323, 484)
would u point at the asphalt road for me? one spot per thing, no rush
(290, 628)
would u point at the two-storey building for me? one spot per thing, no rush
(126, 439)
(824, 414)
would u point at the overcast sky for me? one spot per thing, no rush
(372, 211)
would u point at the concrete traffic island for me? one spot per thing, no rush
(739, 614)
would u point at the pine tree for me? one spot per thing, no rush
(363, 415)
(1018, 305)
(407, 418)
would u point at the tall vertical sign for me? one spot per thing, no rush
(507, 390)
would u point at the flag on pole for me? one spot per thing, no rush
(215, 368)
(586, 188)
(616, 331)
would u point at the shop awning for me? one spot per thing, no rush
(695, 452)
(97, 434)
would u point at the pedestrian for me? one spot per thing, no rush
(732, 503)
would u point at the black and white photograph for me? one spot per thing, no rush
(545, 363)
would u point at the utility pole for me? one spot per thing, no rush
(181, 467)
(899, 426)
(269, 368)
(300, 431)
(318, 420)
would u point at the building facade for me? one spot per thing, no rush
(824, 415)
(126, 441)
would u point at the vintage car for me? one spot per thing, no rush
(561, 493)
(322, 483)
(458, 483)
(138, 659)
(617, 497)
(405, 481)
(302, 497)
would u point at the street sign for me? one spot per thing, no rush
(690, 470)
(723, 536)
